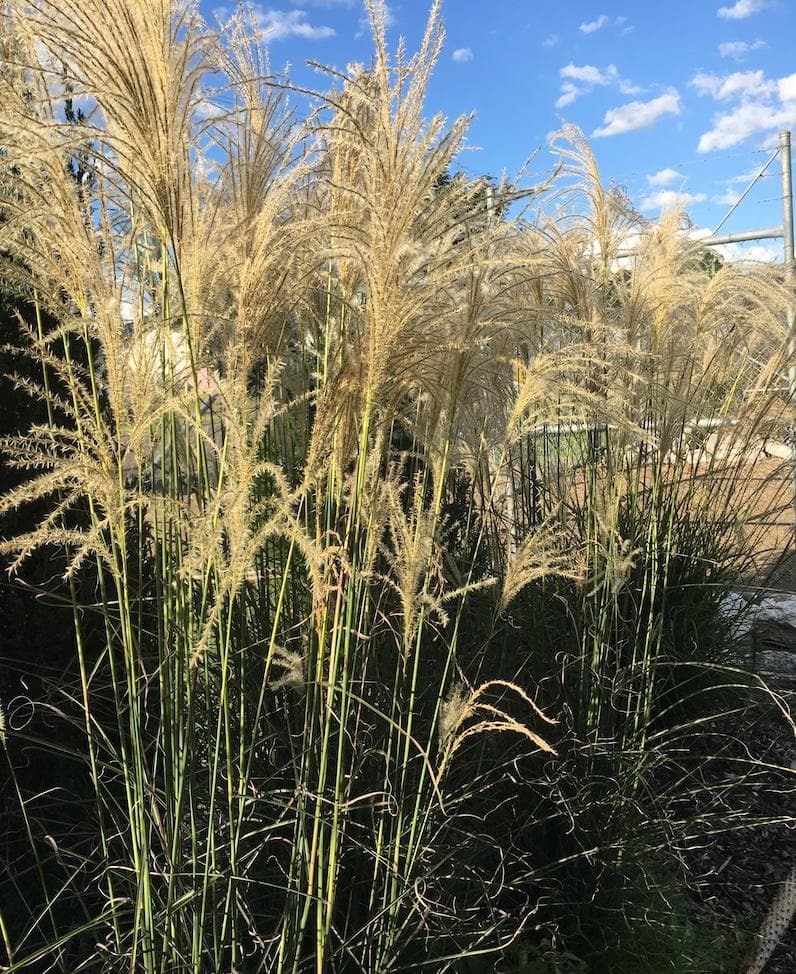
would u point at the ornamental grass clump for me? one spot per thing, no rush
(374, 512)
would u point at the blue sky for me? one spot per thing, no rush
(680, 97)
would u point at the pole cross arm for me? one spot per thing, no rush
(771, 233)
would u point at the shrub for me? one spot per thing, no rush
(373, 668)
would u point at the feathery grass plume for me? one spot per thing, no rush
(474, 372)
(391, 236)
(587, 230)
(293, 665)
(267, 265)
(616, 556)
(461, 706)
(142, 65)
(451, 712)
(539, 555)
(63, 245)
(411, 555)
(141, 70)
(252, 503)
(82, 459)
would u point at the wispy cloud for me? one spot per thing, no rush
(761, 104)
(744, 177)
(365, 26)
(462, 54)
(742, 9)
(569, 93)
(638, 115)
(664, 177)
(323, 3)
(550, 41)
(277, 25)
(667, 199)
(740, 50)
(590, 26)
(580, 79)
(728, 198)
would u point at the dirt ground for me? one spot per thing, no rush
(747, 867)
(771, 521)
(763, 490)
(741, 872)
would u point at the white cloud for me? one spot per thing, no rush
(787, 88)
(589, 74)
(580, 79)
(747, 119)
(638, 115)
(592, 25)
(667, 199)
(728, 198)
(550, 41)
(762, 104)
(738, 50)
(742, 8)
(569, 93)
(664, 177)
(747, 84)
(277, 25)
(205, 109)
(462, 54)
(756, 253)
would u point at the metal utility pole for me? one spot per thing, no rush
(787, 233)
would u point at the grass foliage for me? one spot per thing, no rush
(393, 557)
